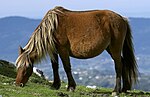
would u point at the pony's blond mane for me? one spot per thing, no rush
(41, 42)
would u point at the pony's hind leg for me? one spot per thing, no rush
(116, 56)
(126, 83)
(64, 55)
(57, 83)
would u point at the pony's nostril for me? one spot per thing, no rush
(21, 85)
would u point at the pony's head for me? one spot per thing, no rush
(24, 68)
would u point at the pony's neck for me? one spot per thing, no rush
(42, 42)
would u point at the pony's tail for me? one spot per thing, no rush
(130, 71)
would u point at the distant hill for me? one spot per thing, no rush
(15, 31)
(141, 34)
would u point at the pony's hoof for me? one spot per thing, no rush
(71, 89)
(55, 87)
(124, 90)
(115, 94)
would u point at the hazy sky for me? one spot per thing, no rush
(38, 8)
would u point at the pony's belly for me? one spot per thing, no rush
(89, 47)
(83, 52)
(81, 56)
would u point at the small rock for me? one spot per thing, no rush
(38, 72)
(114, 94)
(92, 87)
(5, 83)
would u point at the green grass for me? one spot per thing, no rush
(38, 87)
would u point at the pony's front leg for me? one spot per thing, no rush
(64, 55)
(55, 66)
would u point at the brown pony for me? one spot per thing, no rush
(80, 34)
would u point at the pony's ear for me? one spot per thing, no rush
(21, 50)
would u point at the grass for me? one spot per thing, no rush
(38, 87)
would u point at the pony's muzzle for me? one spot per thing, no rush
(20, 84)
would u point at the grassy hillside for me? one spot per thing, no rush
(38, 87)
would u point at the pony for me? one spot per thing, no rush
(82, 35)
